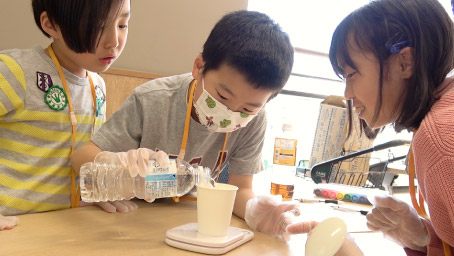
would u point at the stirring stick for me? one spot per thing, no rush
(326, 201)
(344, 209)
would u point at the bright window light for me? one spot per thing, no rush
(310, 24)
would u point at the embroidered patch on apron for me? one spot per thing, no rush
(56, 98)
(43, 81)
(100, 100)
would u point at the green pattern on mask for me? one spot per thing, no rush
(224, 123)
(243, 115)
(210, 102)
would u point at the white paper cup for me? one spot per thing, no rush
(214, 208)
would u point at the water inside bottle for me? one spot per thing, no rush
(100, 182)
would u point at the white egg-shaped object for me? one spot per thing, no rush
(326, 238)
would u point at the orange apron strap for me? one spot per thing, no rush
(184, 141)
(419, 206)
(75, 190)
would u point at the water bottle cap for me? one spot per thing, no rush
(287, 127)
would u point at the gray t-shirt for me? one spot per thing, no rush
(153, 117)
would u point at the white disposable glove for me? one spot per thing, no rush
(399, 222)
(115, 206)
(8, 222)
(302, 227)
(270, 215)
(135, 160)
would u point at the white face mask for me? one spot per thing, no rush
(216, 117)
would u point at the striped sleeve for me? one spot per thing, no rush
(11, 74)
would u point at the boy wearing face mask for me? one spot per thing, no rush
(212, 116)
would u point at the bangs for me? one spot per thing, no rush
(348, 33)
(338, 51)
(81, 21)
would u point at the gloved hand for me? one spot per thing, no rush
(115, 206)
(301, 227)
(8, 222)
(399, 222)
(270, 215)
(135, 160)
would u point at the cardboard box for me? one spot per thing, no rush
(329, 143)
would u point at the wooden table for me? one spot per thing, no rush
(91, 231)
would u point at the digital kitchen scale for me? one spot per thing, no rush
(187, 237)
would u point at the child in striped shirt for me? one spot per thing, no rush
(51, 102)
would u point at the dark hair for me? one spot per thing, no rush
(378, 27)
(253, 44)
(81, 21)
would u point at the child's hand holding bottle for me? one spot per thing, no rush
(135, 160)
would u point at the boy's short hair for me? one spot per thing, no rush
(254, 45)
(81, 21)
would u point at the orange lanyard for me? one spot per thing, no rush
(186, 129)
(186, 134)
(75, 192)
(419, 205)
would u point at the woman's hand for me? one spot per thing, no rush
(399, 222)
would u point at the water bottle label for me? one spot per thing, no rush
(162, 177)
(161, 182)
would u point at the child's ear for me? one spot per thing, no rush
(49, 27)
(198, 68)
(406, 61)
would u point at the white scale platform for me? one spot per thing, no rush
(186, 237)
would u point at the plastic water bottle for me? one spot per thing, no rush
(100, 182)
(284, 158)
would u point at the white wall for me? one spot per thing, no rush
(165, 36)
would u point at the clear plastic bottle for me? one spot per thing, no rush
(284, 158)
(100, 182)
